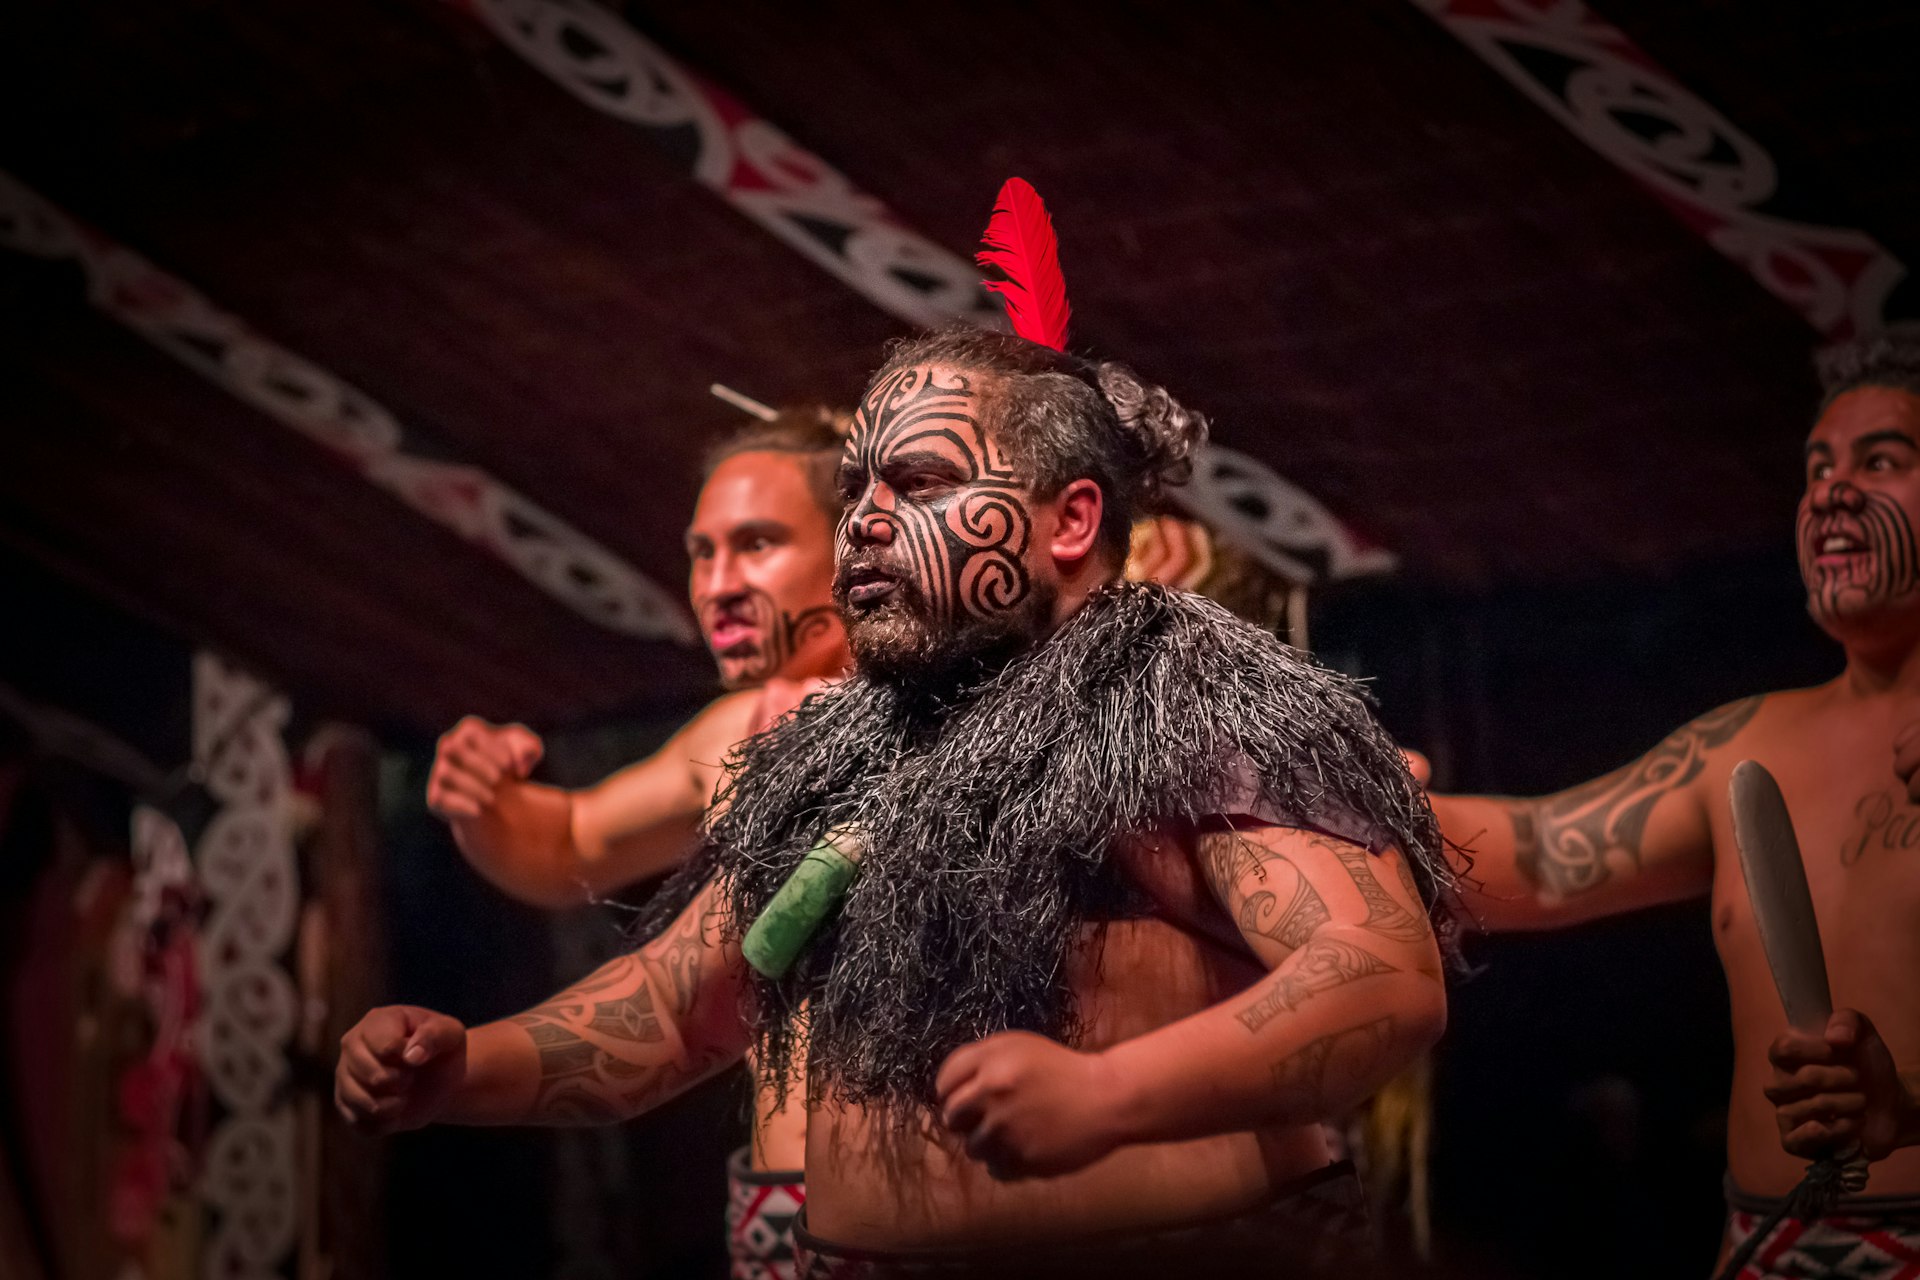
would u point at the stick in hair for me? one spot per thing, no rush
(745, 404)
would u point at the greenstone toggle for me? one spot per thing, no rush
(811, 894)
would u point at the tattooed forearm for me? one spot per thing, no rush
(579, 1082)
(1324, 964)
(600, 1059)
(1303, 1073)
(676, 960)
(1561, 844)
(630, 1019)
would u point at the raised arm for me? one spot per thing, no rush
(1354, 993)
(1634, 838)
(556, 848)
(632, 1034)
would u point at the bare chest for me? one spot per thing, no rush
(1860, 841)
(1131, 977)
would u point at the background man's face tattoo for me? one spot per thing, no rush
(1857, 553)
(776, 635)
(762, 570)
(1854, 530)
(932, 549)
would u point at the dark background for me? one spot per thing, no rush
(1381, 269)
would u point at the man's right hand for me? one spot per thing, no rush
(1837, 1089)
(1906, 759)
(398, 1066)
(472, 760)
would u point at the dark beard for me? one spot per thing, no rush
(991, 821)
(900, 644)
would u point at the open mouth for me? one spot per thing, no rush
(1837, 549)
(728, 634)
(864, 585)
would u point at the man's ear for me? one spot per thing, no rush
(1077, 511)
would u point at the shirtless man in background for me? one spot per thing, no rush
(1242, 920)
(761, 547)
(1660, 830)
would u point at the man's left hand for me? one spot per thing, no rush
(1027, 1107)
(1836, 1089)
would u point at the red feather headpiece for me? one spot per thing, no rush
(1019, 244)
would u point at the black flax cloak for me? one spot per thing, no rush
(989, 820)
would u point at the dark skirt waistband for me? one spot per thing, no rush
(1900, 1206)
(740, 1169)
(1319, 1218)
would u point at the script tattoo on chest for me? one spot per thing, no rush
(1561, 844)
(964, 541)
(1881, 824)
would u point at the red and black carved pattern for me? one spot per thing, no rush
(964, 546)
(1593, 78)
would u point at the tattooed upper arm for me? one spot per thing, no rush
(1285, 887)
(1571, 843)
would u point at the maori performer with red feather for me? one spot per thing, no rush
(1088, 900)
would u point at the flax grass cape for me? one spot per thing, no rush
(989, 820)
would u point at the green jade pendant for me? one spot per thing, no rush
(811, 894)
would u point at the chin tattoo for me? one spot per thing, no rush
(991, 815)
(785, 634)
(1893, 568)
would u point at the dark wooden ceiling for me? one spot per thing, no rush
(1377, 265)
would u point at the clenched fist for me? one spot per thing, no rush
(398, 1065)
(1028, 1107)
(1837, 1089)
(471, 762)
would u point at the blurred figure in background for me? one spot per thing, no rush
(761, 546)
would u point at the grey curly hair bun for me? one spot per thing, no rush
(1166, 433)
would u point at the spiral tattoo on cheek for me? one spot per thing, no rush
(964, 547)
